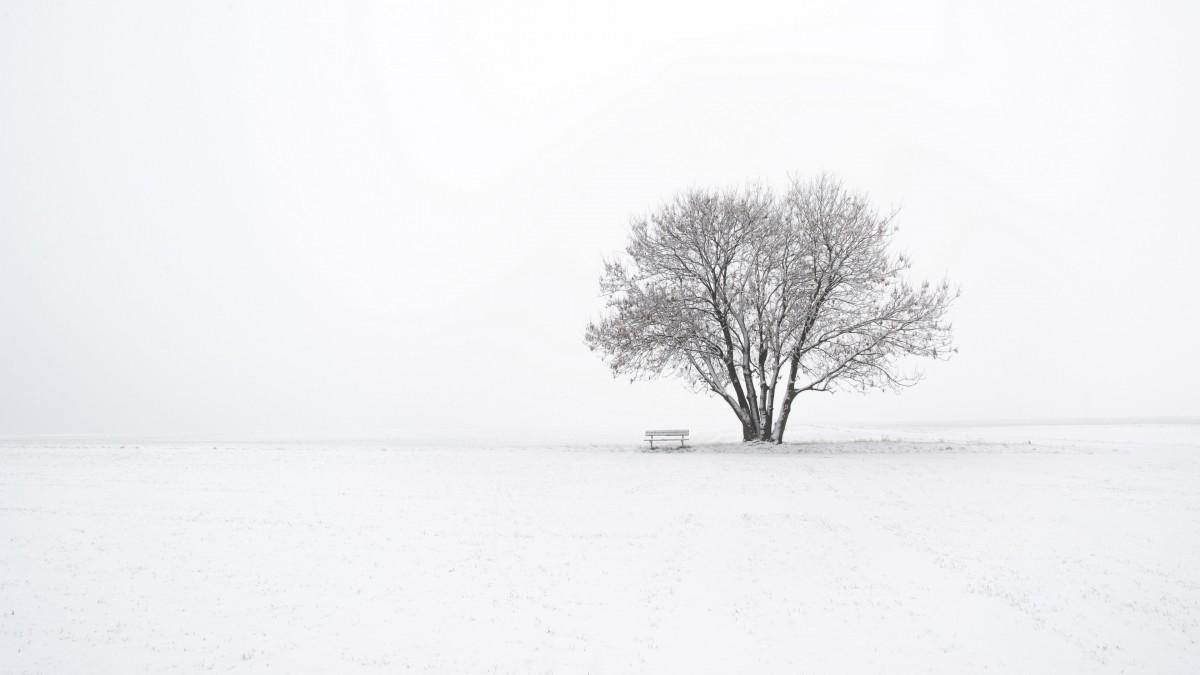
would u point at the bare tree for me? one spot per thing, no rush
(735, 291)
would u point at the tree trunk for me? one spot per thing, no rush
(769, 405)
(749, 433)
(755, 432)
(751, 398)
(748, 426)
(789, 394)
(765, 389)
(784, 410)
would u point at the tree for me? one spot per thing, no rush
(738, 290)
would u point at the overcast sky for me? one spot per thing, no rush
(389, 218)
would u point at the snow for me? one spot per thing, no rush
(947, 550)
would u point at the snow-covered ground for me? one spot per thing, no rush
(1015, 549)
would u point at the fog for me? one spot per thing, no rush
(381, 218)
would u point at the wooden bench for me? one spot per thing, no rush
(666, 434)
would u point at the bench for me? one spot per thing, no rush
(666, 434)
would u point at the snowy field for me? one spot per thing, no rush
(956, 550)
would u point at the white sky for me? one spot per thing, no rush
(389, 218)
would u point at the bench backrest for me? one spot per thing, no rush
(666, 432)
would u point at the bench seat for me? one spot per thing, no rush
(661, 435)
